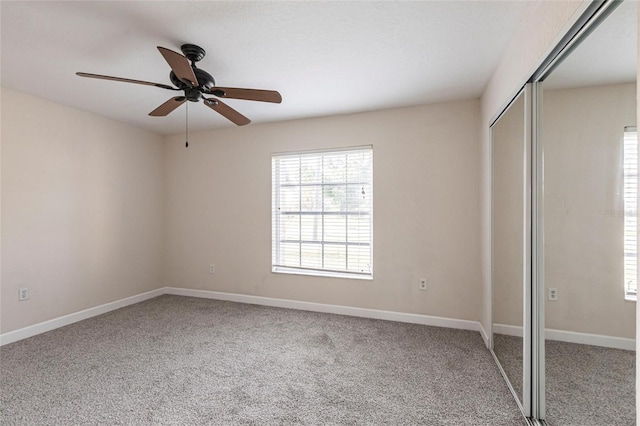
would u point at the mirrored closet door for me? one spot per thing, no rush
(564, 228)
(508, 245)
(589, 215)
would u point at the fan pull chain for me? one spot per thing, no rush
(186, 130)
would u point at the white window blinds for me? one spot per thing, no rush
(322, 217)
(630, 169)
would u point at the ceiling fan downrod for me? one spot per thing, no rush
(186, 129)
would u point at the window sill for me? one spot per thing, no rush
(631, 298)
(317, 273)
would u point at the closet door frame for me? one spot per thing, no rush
(524, 400)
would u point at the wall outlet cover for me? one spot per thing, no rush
(423, 284)
(23, 293)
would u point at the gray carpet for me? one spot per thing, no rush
(179, 360)
(590, 385)
(509, 350)
(586, 385)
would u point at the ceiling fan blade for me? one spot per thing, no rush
(247, 94)
(180, 66)
(227, 112)
(126, 80)
(168, 106)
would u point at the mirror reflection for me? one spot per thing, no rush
(590, 227)
(508, 145)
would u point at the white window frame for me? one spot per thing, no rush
(278, 265)
(630, 199)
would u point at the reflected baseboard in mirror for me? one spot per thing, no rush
(589, 385)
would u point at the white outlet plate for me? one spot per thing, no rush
(553, 294)
(212, 268)
(423, 284)
(23, 293)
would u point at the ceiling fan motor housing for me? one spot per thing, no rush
(205, 80)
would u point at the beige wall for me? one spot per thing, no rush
(218, 209)
(82, 210)
(539, 31)
(582, 135)
(508, 215)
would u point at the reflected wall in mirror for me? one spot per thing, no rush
(508, 145)
(590, 227)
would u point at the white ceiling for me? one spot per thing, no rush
(323, 57)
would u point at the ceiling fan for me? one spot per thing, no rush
(195, 83)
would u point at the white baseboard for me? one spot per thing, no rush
(485, 335)
(331, 309)
(563, 336)
(43, 327)
(23, 333)
(508, 330)
(573, 337)
(591, 339)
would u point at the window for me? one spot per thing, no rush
(322, 217)
(630, 183)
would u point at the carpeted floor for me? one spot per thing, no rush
(589, 385)
(508, 350)
(179, 360)
(585, 385)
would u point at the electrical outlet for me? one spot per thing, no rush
(553, 294)
(423, 284)
(23, 293)
(212, 268)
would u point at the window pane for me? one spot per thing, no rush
(311, 198)
(289, 169)
(335, 168)
(359, 229)
(311, 169)
(360, 168)
(334, 198)
(359, 259)
(335, 228)
(290, 227)
(311, 227)
(290, 199)
(290, 254)
(358, 197)
(630, 192)
(335, 257)
(311, 256)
